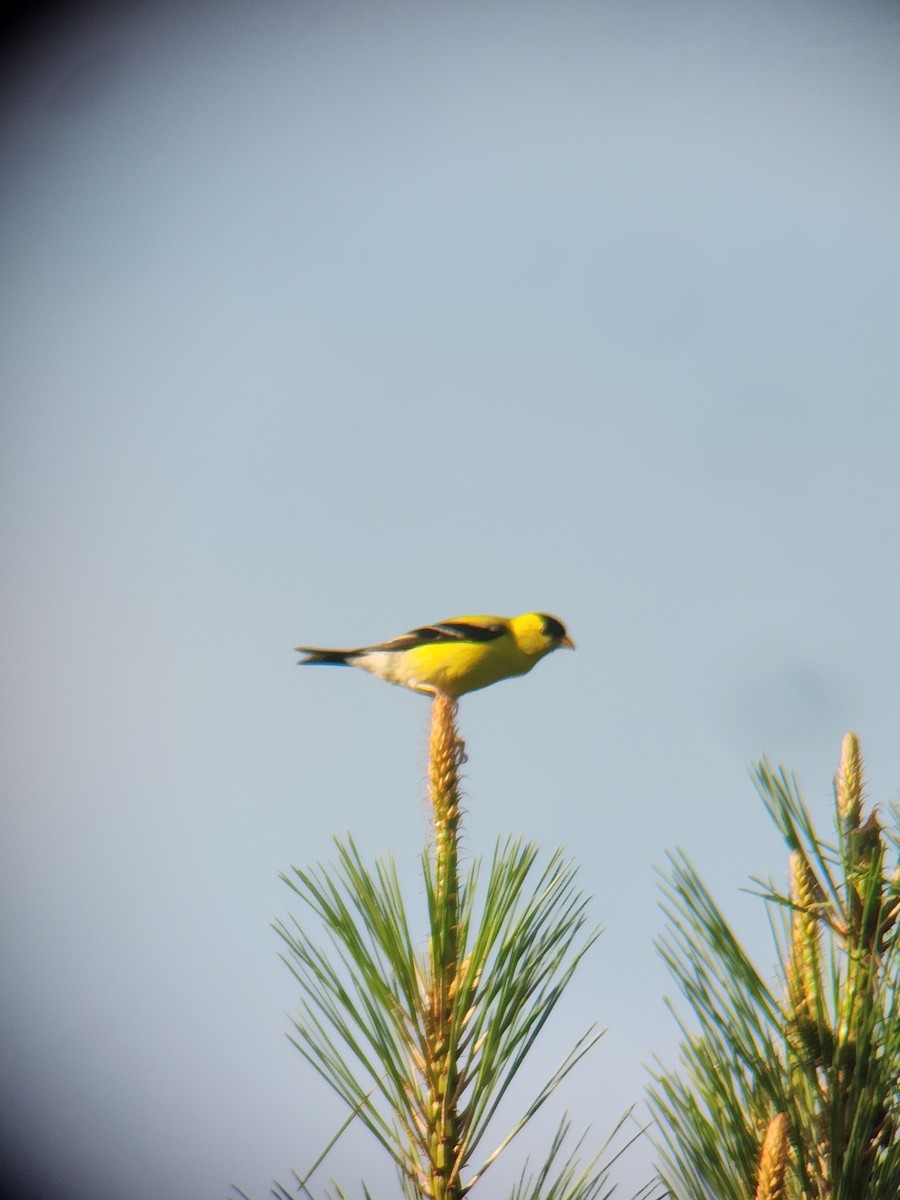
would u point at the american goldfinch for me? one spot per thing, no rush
(455, 656)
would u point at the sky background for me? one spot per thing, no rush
(325, 320)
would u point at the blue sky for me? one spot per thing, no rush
(322, 321)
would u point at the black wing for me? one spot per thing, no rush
(445, 631)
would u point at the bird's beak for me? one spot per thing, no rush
(568, 643)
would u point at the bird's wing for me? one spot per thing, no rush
(445, 631)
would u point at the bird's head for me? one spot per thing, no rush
(538, 633)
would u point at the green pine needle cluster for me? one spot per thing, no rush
(421, 1032)
(790, 1087)
(364, 1023)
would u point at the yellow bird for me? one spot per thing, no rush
(456, 656)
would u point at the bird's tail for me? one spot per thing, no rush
(335, 658)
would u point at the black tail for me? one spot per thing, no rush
(335, 658)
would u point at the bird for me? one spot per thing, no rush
(454, 657)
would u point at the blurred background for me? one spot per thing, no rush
(322, 320)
